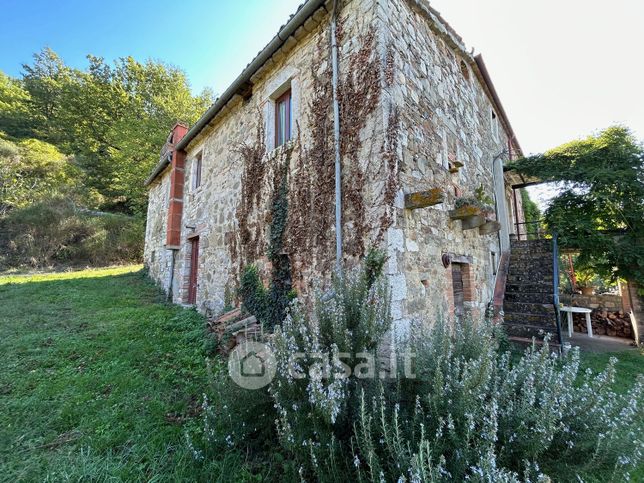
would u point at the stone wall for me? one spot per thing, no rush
(611, 302)
(410, 103)
(445, 116)
(231, 210)
(156, 258)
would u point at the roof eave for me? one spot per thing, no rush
(297, 20)
(497, 102)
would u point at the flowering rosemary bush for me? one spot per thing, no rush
(470, 412)
(474, 414)
(315, 397)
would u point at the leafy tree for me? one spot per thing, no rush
(15, 118)
(112, 118)
(531, 212)
(45, 80)
(31, 171)
(600, 210)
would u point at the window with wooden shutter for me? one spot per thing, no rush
(283, 118)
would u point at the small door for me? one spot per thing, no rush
(458, 289)
(194, 268)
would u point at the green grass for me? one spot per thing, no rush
(99, 380)
(630, 364)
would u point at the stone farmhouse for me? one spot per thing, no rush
(362, 124)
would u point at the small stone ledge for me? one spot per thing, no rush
(423, 199)
(464, 212)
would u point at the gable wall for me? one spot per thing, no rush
(444, 115)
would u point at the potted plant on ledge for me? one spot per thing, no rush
(471, 211)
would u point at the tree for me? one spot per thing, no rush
(15, 118)
(600, 210)
(112, 118)
(531, 212)
(45, 80)
(32, 171)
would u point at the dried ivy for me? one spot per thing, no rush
(359, 95)
(251, 190)
(311, 216)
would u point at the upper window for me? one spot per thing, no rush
(197, 171)
(283, 118)
(494, 123)
(464, 70)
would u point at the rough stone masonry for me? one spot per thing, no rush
(417, 113)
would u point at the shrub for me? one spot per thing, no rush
(56, 232)
(471, 412)
(315, 412)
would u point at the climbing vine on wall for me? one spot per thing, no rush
(291, 218)
(359, 94)
(280, 289)
(310, 229)
(252, 154)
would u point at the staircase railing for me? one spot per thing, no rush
(555, 284)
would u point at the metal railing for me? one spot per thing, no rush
(530, 230)
(555, 284)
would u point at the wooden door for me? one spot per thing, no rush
(458, 289)
(194, 268)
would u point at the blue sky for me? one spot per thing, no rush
(563, 68)
(212, 40)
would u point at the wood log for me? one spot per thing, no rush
(242, 324)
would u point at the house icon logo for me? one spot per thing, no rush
(251, 365)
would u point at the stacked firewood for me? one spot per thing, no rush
(233, 328)
(605, 322)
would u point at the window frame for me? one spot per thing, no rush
(198, 170)
(285, 98)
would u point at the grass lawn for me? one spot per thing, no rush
(99, 380)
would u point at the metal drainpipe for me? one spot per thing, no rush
(336, 134)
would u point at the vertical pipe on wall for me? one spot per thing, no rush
(169, 295)
(336, 139)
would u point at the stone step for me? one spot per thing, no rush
(527, 252)
(530, 243)
(528, 297)
(528, 277)
(532, 255)
(529, 308)
(524, 287)
(523, 318)
(534, 274)
(530, 330)
(540, 260)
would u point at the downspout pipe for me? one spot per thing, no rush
(336, 142)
